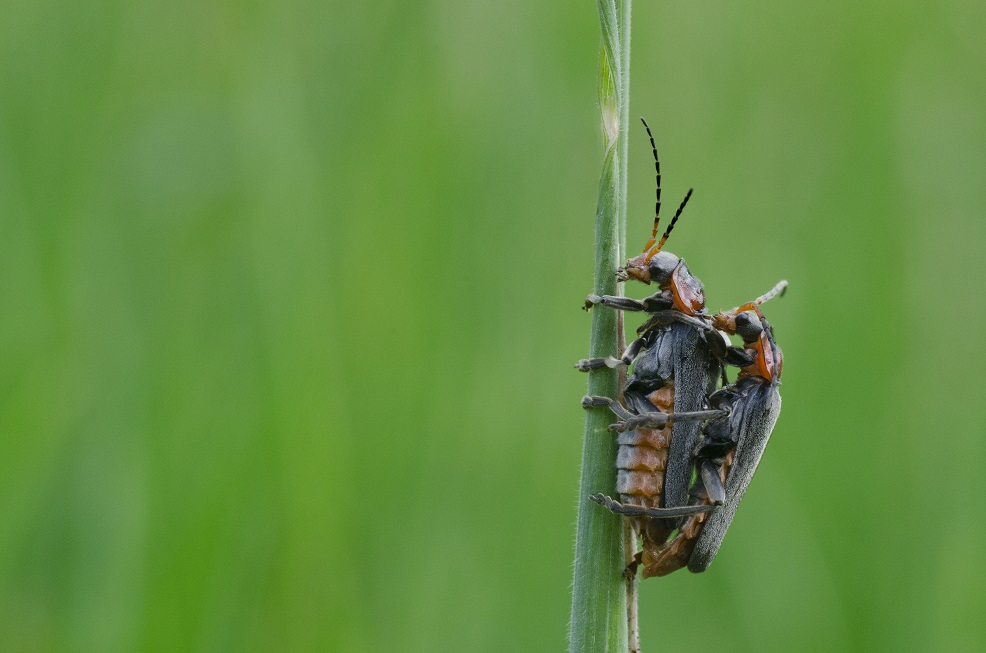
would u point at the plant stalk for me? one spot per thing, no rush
(600, 593)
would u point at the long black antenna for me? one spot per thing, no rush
(667, 233)
(657, 176)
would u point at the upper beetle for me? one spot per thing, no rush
(674, 370)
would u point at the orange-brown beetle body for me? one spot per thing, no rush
(669, 481)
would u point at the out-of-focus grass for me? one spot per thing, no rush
(290, 299)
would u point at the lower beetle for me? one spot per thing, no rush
(738, 424)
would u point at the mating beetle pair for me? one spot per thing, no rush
(687, 451)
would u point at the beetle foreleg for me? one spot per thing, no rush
(666, 317)
(657, 302)
(630, 510)
(721, 348)
(740, 357)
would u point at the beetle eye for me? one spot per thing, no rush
(748, 326)
(661, 267)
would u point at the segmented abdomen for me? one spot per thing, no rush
(643, 456)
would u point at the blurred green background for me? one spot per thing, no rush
(291, 291)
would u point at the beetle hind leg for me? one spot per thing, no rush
(658, 420)
(649, 420)
(630, 510)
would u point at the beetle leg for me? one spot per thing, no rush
(658, 420)
(740, 357)
(666, 317)
(606, 402)
(657, 302)
(651, 420)
(721, 348)
(613, 301)
(630, 510)
(712, 482)
(587, 364)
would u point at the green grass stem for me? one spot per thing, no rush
(599, 597)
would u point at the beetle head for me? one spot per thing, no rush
(747, 321)
(652, 264)
(748, 326)
(742, 321)
(658, 268)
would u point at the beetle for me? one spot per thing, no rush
(674, 371)
(732, 444)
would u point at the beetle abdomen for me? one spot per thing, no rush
(643, 456)
(640, 472)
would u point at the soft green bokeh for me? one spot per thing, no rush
(291, 290)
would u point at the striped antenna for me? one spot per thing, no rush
(667, 233)
(766, 297)
(773, 292)
(657, 193)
